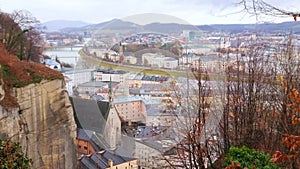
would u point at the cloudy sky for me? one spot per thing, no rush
(195, 12)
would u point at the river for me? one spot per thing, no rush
(64, 54)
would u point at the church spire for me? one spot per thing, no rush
(110, 95)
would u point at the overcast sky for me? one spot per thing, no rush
(196, 12)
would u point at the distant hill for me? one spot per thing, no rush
(266, 27)
(117, 25)
(120, 26)
(168, 27)
(57, 25)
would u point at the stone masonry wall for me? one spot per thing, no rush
(43, 124)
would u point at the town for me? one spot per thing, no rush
(149, 91)
(123, 107)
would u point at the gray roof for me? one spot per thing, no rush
(154, 110)
(89, 114)
(84, 134)
(170, 59)
(101, 158)
(139, 91)
(127, 53)
(111, 71)
(51, 62)
(73, 70)
(93, 84)
(87, 163)
(149, 131)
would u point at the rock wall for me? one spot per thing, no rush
(43, 124)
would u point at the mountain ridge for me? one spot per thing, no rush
(56, 25)
(119, 25)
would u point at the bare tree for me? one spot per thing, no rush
(194, 130)
(20, 34)
(261, 7)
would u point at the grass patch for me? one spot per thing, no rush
(5, 72)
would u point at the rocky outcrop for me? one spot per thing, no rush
(43, 124)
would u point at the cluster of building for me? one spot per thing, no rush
(126, 120)
(114, 110)
(60, 39)
(147, 39)
(198, 49)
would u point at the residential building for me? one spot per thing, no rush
(144, 93)
(83, 144)
(110, 75)
(148, 58)
(92, 155)
(170, 63)
(130, 60)
(130, 109)
(104, 159)
(158, 115)
(74, 77)
(52, 64)
(88, 89)
(99, 117)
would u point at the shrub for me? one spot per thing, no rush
(11, 156)
(245, 157)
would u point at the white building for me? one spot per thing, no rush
(130, 60)
(170, 63)
(77, 76)
(88, 89)
(149, 58)
(159, 60)
(52, 64)
(105, 75)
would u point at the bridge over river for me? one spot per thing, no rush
(66, 54)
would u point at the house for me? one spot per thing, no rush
(110, 75)
(99, 135)
(79, 76)
(130, 109)
(83, 145)
(104, 159)
(99, 117)
(130, 60)
(170, 63)
(152, 151)
(74, 77)
(92, 155)
(144, 93)
(104, 93)
(86, 90)
(52, 64)
(149, 59)
(158, 115)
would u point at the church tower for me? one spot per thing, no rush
(110, 95)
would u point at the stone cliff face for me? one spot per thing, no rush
(35, 110)
(43, 123)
